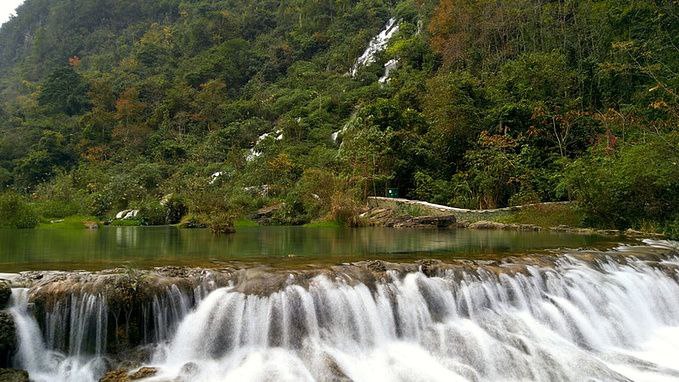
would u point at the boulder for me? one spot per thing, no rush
(8, 340)
(144, 372)
(122, 375)
(5, 294)
(13, 375)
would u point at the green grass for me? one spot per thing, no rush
(323, 224)
(245, 223)
(69, 222)
(545, 216)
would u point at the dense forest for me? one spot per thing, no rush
(211, 109)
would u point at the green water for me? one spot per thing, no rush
(143, 247)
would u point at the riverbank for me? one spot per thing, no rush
(549, 216)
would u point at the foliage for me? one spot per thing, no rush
(15, 212)
(611, 186)
(490, 104)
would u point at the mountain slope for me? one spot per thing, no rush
(112, 104)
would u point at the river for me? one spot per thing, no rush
(496, 306)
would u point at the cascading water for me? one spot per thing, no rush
(609, 319)
(376, 45)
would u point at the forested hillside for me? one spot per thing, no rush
(232, 105)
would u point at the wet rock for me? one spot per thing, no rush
(8, 340)
(13, 375)
(444, 221)
(189, 370)
(5, 294)
(336, 371)
(115, 376)
(431, 267)
(260, 282)
(122, 375)
(144, 372)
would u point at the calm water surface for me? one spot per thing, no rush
(141, 247)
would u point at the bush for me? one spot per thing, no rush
(432, 190)
(524, 197)
(672, 228)
(58, 198)
(345, 208)
(637, 184)
(220, 223)
(15, 212)
(151, 212)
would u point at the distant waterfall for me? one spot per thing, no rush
(376, 45)
(611, 319)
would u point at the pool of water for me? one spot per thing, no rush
(143, 247)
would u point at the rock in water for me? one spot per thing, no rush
(5, 293)
(13, 375)
(121, 375)
(8, 339)
(144, 372)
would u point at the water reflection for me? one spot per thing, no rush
(154, 246)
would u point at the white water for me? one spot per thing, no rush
(389, 66)
(254, 153)
(576, 322)
(376, 45)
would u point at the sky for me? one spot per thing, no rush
(7, 8)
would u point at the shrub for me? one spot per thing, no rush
(220, 223)
(345, 208)
(56, 209)
(15, 212)
(524, 197)
(636, 184)
(151, 212)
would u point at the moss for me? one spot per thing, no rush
(244, 223)
(323, 224)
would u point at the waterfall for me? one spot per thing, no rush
(572, 323)
(376, 45)
(607, 318)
